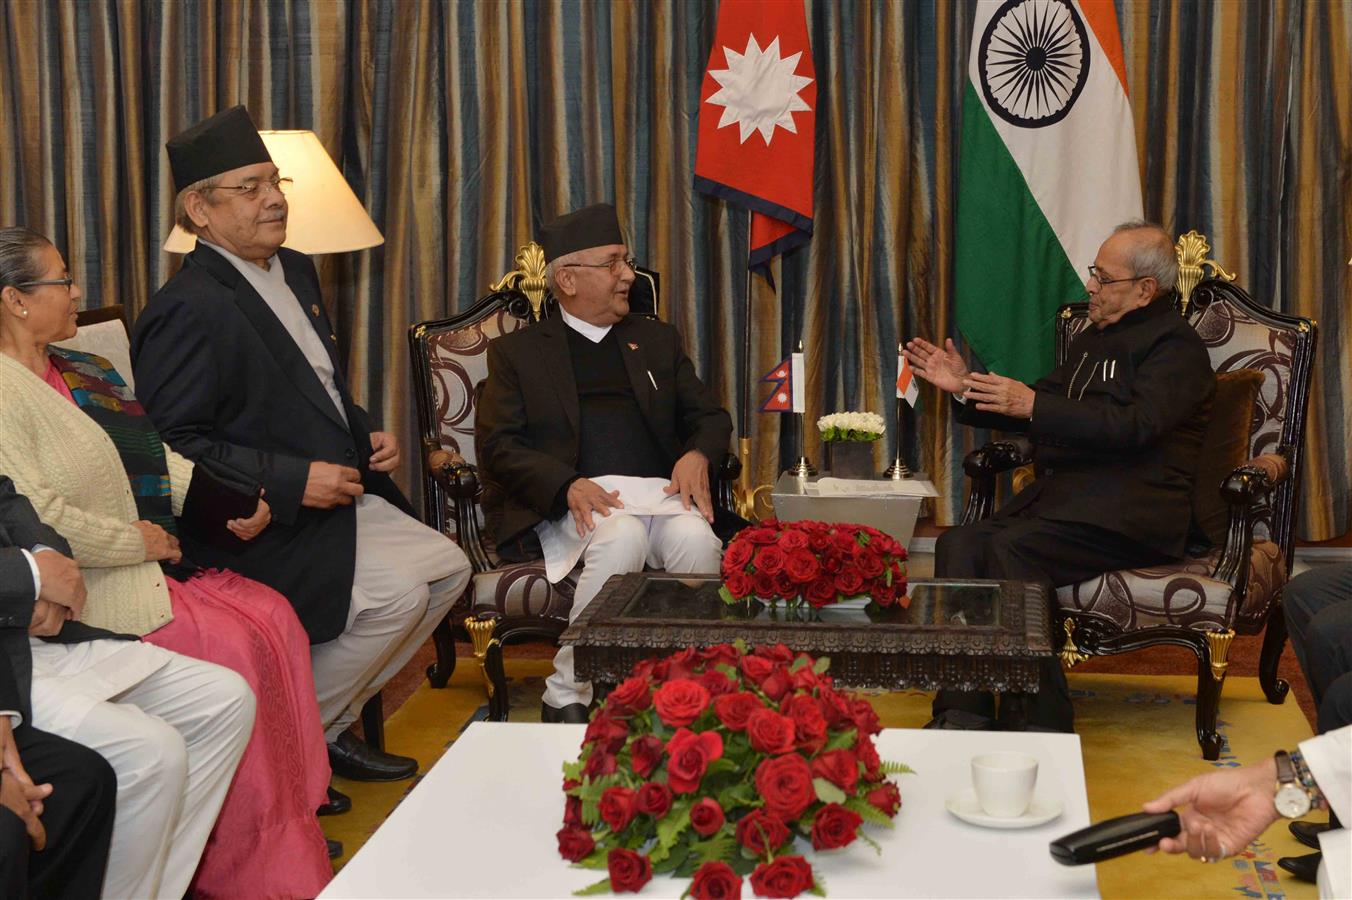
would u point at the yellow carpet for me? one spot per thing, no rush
(1136, 732)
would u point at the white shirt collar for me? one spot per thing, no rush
(593, 333)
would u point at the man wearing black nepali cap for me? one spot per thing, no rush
(235, 361)
(600, 433)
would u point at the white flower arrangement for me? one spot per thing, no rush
(851, 426)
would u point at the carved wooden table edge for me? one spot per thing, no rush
(923, 657)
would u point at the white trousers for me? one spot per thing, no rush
(407, 576)
(174, 739)
(624, 544)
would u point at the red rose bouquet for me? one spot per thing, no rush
(817, 563)
(712, 763)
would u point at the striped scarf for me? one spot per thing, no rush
(105, 398)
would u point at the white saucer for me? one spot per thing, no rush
(964, 805)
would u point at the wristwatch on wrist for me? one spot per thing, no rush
(1291, 799)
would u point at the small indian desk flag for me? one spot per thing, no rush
(906, 386)
(787, 377)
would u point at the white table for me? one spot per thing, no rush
(483, 820)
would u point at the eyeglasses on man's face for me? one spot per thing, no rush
(1097, 274)
(615, 266)
(63, 282)
(253, 188)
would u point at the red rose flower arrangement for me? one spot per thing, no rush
(817, 563)
(712, 763)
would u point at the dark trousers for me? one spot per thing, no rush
(1318, 606)
(1025, 547)
(78, 818)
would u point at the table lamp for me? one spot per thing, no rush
(325, 216)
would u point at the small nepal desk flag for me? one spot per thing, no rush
(906, 387)
(788, 395)
(757, 122)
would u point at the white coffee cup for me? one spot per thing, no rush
(1004, 782)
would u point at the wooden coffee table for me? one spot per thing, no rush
(970, 634)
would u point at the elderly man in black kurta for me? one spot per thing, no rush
(588, 421)
(1117, 427)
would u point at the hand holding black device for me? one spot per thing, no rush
(217, 494)
(1115, 837)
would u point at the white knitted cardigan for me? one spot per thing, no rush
(68, 467)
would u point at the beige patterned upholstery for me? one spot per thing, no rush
(1181, 594)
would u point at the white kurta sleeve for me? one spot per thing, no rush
(1329, 757)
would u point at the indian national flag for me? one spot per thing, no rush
(1048, 168)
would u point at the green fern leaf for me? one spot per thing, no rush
(601, 887)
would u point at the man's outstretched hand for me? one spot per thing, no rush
(690, 479)
(1221, 812)
(586, 497)
(945, 369)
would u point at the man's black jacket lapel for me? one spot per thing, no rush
(289, 356)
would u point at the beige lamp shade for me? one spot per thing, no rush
(324, 216)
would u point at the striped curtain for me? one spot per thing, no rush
(463, 125)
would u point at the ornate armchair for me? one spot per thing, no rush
(508, 602)
(1245, 498)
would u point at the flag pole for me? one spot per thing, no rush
(804, 467)
(744, 501)
(898, 470)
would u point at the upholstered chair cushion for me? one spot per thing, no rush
(520, 590)
(1225, 446)
(1182, 594)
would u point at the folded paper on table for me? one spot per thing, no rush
(563, 546)
(869, 487)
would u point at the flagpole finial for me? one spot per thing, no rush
(800, 346)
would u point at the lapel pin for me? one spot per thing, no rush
(314, 309)
(334, 338)
(633, 346)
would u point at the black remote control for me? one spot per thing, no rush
(1114, 837)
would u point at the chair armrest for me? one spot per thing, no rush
(983, 465)
(460, 481)
(1245, 491)
(726, 474)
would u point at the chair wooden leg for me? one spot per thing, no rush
(1212, 662)
(1274, 642)
(499, 702)
(481, 634)
(373, 721)
(439, 673)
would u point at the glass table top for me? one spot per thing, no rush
(949, 603)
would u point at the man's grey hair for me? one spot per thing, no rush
(552, 268)
(181, 217)
(1152, 254)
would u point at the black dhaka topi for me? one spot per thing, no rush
(591, 226)
(225, 141)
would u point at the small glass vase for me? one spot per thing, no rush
(850, 459)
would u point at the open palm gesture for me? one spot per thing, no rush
(945, 369)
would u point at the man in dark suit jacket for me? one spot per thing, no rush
(595, 392)
(57, 797)
(1117, 427)
(236, 362)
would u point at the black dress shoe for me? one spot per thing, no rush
(351, 757)
(1308, 832)
(962, 720)
(335, 848)
(1304, 868)
(337, 804)
(572, 714)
